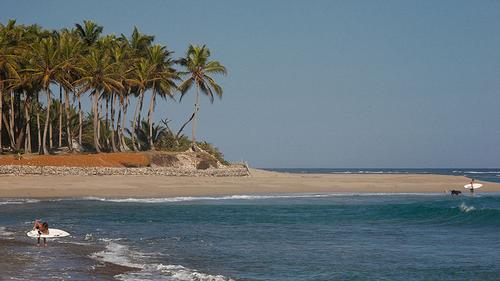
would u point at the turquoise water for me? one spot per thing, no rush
(277, 237)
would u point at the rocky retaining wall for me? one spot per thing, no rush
(18, 170)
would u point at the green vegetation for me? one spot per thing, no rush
(63, 66)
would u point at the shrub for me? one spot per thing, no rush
(214, 151)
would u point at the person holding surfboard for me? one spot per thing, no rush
(472, 186)
(42, 228)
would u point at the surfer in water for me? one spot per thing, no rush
(42, 228)
(472, 187)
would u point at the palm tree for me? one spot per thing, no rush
(198, 68)
(70, 51)
(139, 44)
(142, 77)
(98, 75)
(44, 66)
(8, 63)
(89, 32)
(30, 87)
(120, 55)
(163, 82)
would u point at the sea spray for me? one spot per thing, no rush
(465, 208)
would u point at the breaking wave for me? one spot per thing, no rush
(122, 255)
(246, 197)
(18, 201)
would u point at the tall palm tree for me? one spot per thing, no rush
(8, 63)
(89, 32)
(44, 66)
(198, 69)
(98, 75)
(70, 51)
(163, 82)
(30, 87)
(120, 55)
(139, 42)
(142, 78)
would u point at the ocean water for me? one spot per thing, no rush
(277, 237)
(482, 174)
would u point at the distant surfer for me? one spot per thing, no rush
(42, 228)
(472, 187)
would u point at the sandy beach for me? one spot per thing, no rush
(261, 182)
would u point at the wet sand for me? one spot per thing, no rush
(261, 182)
(23, 262)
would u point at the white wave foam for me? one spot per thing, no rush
(477, 172)
(226, 197)
(121, 255)
(464, 208)
(246, 197)
(203, 198)
(4, 232)
(117, 254)
(18, 201)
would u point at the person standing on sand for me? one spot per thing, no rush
(42, 228)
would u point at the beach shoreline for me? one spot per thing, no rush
(260, 182)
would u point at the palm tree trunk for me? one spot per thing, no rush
(196, 108)
(9, 133)
(150, 120)
(1, 114)
(68, 129)
(107, 113)
(47, 119)
(11, 121)
(60, 115)
(99, 120)
(122, 127)
(96, 121)
(141, 102)
(118, 125)
(135, 122)
(51, 142)
(27, 142)
(113, 144)
(182, 127)
(139, 120)
(80, 121)
(40, 151)
(28, 134)
(107, 122)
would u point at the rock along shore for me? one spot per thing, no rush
(22, 170)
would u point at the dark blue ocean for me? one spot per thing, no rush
(292, 237)
(482, 174)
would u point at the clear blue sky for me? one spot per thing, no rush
(327, 83)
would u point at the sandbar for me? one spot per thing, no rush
(260, 182)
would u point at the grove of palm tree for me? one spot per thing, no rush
(45, 75)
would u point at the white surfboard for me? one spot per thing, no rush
(53, 233)
(474, 186)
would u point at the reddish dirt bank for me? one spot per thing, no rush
(80, 160)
